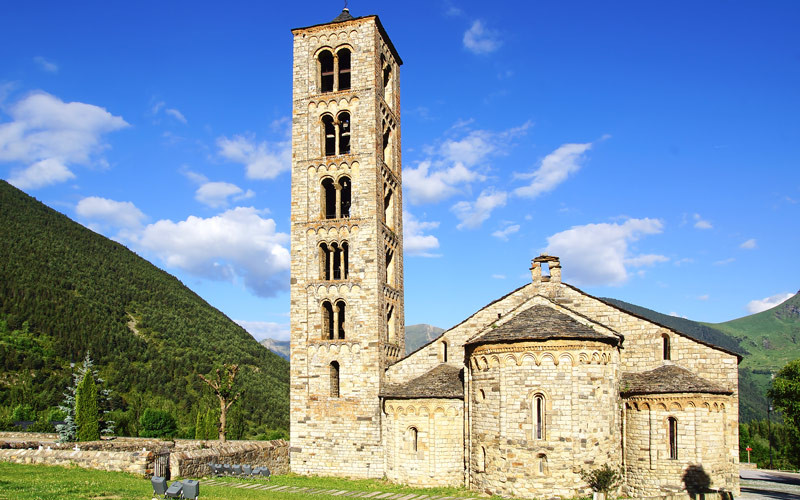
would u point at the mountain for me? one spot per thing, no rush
(419, 335)
(752, 385)
(279, 347)
(66, 291)
(772, 337)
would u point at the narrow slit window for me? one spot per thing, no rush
(482, 460)
(344, 133)
(346, 195)
(542, 459)
(327, 321)
(325, 59)
(413, 438)
(328, 199)
(666, 347)
(672, 423)
(328, 135)
(538, 416)
(343, 57)
(334, 379)
(444, 352)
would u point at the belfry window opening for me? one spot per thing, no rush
(334, 261)
(388, 207)
(334, 70)
(336, 197)
(390, 328)
(343, 123)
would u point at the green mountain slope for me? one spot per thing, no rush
(419, 335)
(752, 390)
(65, 290)
(772, 337)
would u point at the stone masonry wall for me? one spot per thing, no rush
(194, 462)
(118, 461)
(702, 443)
(579, 382)
(439, 457)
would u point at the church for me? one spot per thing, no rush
(517, 399)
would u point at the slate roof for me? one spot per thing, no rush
(344, 16)
(445, 381)
(667, 379)
(541, 323)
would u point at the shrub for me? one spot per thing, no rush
(87, 418)
(602, 479)
(157, 424)
(23, 413)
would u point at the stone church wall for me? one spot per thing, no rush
(702, 444)
(579, 382)
(438, 459)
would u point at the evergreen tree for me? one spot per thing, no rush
(199, 426)
(86, 412)
(68, 431)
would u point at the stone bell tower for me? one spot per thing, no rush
(347, 243)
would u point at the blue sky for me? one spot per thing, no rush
(653, 146)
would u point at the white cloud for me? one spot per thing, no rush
(236, 244)
(480, 40)
(472, 215)
(261, 160)
(701, 223)
(457, 162)
(703, 297)
(46, 65)
(265, 329)
(120, 214)
(597, 254)
(499, 276)
(414, 241)
(216, 194)
(725, 262)
(176, 114)
(756, 306)
(48, 136)
(646, 260)
(503, 234)
(553, 170)
(685, 260)
(749, 244)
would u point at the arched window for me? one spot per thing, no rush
(339, 312)
(343, 120)
(413, 439)
(482, 460)
(325, 64)
(324, 262)
(672, 423)
(388, 206)
(390, 329)
(345, 260)
(345, 196)
(388, 156)
(389, 267)
(666, 347)
(538, 415)
(328, 135)
(334, 379)
(343, 60)
(444, 352)
(328, 202)
(387, 81)
(327, 320)
(542, 464)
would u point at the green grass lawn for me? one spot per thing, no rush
(44, 482)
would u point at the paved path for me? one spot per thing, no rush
(769, 485)
(373, 495)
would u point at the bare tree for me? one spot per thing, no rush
(223, 385)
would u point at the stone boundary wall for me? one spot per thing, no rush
(188, 457)
(194, 463)
(118, 461)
